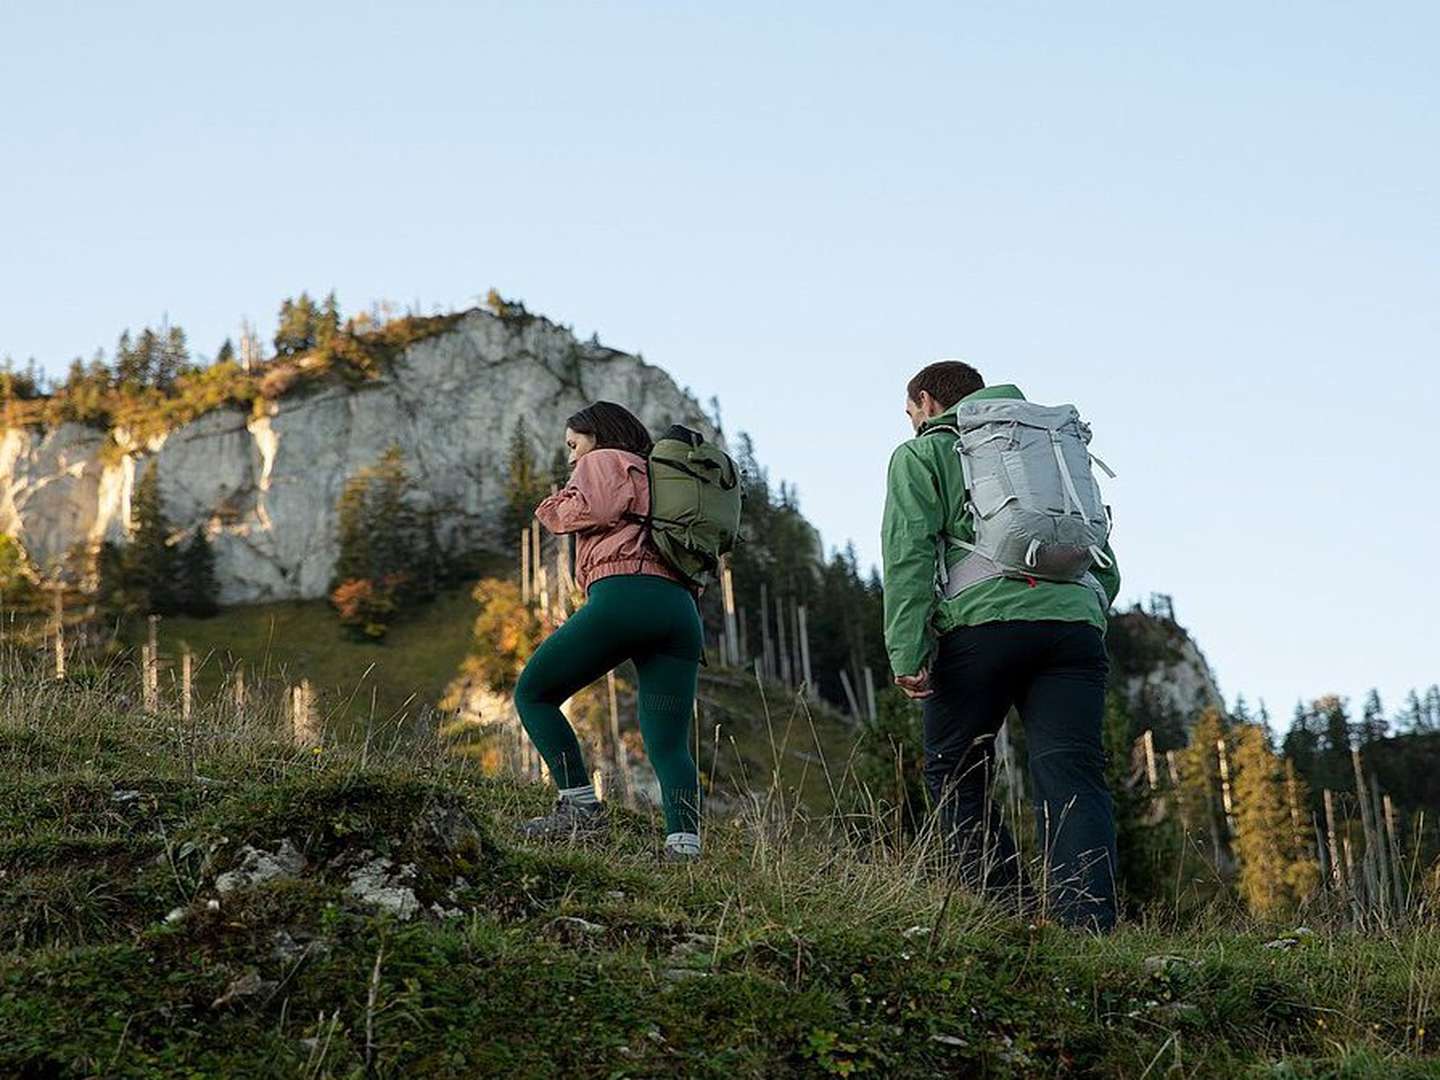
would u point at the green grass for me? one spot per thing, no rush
(786, 952)
(388, 685)
(295, 639)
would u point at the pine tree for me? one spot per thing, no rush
(226, 355)
(327, 322)
(1241, 713)
(1302, 742)
(298, 325)
(395, 540)
(1373, 725)
(388, 556)
(1200, 793)
(1334, 769)
(147, 356)
(171, 358)
(354, 560)
(129, 363)
(1430, 710)
(525, 484)
(1148, 844)
(1275, 871)
(111, 598)
(151, 563)
(199, 589)
(1412, 717)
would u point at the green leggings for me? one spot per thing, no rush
(639, 617)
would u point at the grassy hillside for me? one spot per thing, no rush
(296, 639)
(762, 731)
(384, 921)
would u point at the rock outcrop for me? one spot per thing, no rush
(1160, 671)
(265, 487)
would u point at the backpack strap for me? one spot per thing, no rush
(944, 543)
(1073, 505)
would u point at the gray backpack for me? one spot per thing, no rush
(1036, 505)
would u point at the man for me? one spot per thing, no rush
(970, 643)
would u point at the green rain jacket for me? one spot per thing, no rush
(925, 499)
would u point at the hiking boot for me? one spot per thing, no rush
(569, 821)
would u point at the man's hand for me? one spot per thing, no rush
(915, 686)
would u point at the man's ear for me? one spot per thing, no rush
(928, 405)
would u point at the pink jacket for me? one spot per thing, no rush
(605, 486)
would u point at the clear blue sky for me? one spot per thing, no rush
(1215, 227)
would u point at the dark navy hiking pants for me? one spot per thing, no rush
(1054, 674)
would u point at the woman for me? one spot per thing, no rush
(636, 609)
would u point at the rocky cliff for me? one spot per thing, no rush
(1161, 673)
(264, 486)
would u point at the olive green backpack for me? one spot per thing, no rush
(695, 498)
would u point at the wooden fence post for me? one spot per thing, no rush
(781, 643)
(1225, 788)
(537, 565)
(525, 566)
(562, 577)
(150, 678)
(1369, 864)
(186, 671)
(1014, 781)
(622, 756)
(1337, 870)
(767, 649)
(59, 633)
(1397, 865)
(1322, 855)
(803, 627)
(730, 651)
(850, 695)
(302, 715)
(793, 629)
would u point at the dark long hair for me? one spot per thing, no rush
(614, 427)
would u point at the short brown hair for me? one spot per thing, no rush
(947, 381)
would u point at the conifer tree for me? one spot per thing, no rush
(114, 594)
(327, 320)
(1200, 788)
(1413, 716)
(199, 589)
(129, 364)
(1302, 741)
(151, 563)
(1430, 710)
(1373, 725)
(395, 540)
(1334, 769)
(386, 560)
(171, 358)
(298, 326)
(1147, 844)
(525, 484)
(226, 355)
(354, 560)
(1276, 872)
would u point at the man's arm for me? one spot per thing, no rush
(909, 533)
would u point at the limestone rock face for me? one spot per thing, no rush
(1164, 677)
(265, 488)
